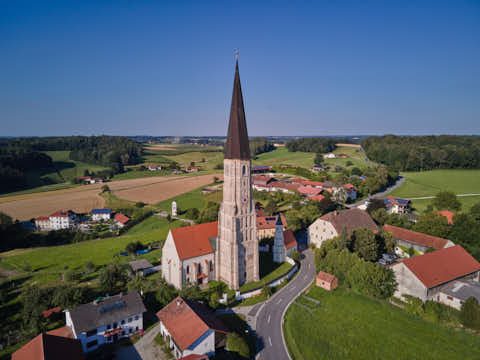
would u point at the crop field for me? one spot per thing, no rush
(281, 156)
(345, 325)
(83, 198)
(429, 183)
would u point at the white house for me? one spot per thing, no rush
(101, 214)
(42, 223)
(458, 292)
(106, 320)
(62, 220)
(121, 220)
(427, 276)
(191, 328)
(329, 156)
(188, 255)
(334, 223)
(153, 167)
(396, 205)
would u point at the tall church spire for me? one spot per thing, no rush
(237, 146)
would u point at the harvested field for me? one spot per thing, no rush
(161, 147)
(83, 198)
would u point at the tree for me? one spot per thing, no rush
(365, 244)
(318, 159)
(105, 188)
(446, 200)
(411, 251)
(165, 293)
(475, 211)
(72, 275)
(356, 171)
(214, 299)
(295, 256)
(5, 219)
(432, 224)
(140, 204)
(267, 291)
(470, 314)
(133, 247)
(192, 213)
(270, 208)
(237, 344)
(349, 163)
(215, 179)
(90, 266)
(191, 292)
(113, 278)
(375, 204)
(169, 218)
(34, 302)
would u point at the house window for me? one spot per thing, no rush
(211, 266)
(123, 322)
(92, 343)
(188, 269)
(243, 170)
(136, 318)
(136, 328)
(91, 332)
(109, 326)
(199, 268)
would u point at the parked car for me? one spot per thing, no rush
(382, 262)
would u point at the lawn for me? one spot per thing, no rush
(281, 156)
(429, 183)
(354, 155)
(192, 199)
(69, 169)
(345, 325)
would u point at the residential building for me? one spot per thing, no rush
(106, 320)
(317, 197)
(426, 276)
(447, 214)
(42, 223)
(457, 292)
(101, 214)
(188, 255)
(262, 180)
(141, 267)
(192, 169)
(309, 191)
(121, 220)
(329, 156)
(420, 242)
(317, 168)
(326, 281)
(153, 167)
(266, 225)
(285, 187)
(335, 222)
(62, 220)
(351, 191)
(261, 169)
(189, 328)
(396, 205)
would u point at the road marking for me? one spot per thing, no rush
(270, 340)
(309, 265)
(269, 319)
(279, 301)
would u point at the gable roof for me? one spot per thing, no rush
(193, 241)
(414, 237)
(94, 314)
(325, 276)
(62, 213)
(140, 264)
(441, 266)
(309, 190)
(448, 215)
(186, 321)
(122, 219)
(102, 211)
(391, 200)
(50, 347)
(351, 220)
(289, 239)
(317, 197)
(268, 222)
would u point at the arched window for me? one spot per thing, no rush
(243, 170)
(188, 269)
(199, 268)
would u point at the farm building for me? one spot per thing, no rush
(121, 220)
(101, 214)
(141, 267)
(261, 169)
(326, 281)
(456, 293)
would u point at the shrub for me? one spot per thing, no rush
(295, 256)
(105, 188)
(237, 344)
(267, 291)
(470, 314)
(140, 204)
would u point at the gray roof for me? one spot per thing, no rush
(463, 290)
(140, 264)
(111, 309)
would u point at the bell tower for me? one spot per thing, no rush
(237, 246)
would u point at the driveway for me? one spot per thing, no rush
(143, 349)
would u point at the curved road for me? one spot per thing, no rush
(269, 317)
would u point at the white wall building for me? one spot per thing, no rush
(62, 220)
(101, 214)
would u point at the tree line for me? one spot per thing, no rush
(315, 145)
(260, 145)
(417, 153)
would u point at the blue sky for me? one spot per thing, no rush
(307, 67)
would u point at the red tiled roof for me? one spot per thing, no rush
(187, 321)
(268, 222)
(317, 197)
(64, 331)
(308, 182)
(284, 185)
(325, 276)
(308, 190)
(50, 347)
(193, 241)
(49, 312)
(428, 241)
(194, 357)
(350, 187)
(441, 266)
(42, 218)
(448, 214)
(351, 220)
(121, 218)
(289, 239)
(62, 213)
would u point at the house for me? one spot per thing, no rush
(106, 320)
(141, 267)
(309, 191)
(261, 169)
(62, 220)
(53, 345)
(101, 214)
(447, 214)
(456, 293)
(190, 328)
(42, 223)
(192, 169)
(317, 168)
(326, 281)
(351, 191)
(328, 186)
(266, 225)
(317, 198)
(261, 183)
(420, 242)
(342, 156)
(329, 156)
(334, 223)
(396, 205)
(426, 276)
(188, 255)
(285, 187)
(153, 167)
(121, 220)
(314, 184)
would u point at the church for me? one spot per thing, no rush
(226, 250)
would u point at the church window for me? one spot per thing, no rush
(188, 269)
(243, 170)
(211, 266)
(199, 268)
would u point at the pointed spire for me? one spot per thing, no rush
(237, 145)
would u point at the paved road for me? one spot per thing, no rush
(269, 317)
(399, 182)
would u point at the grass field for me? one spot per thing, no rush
(354, 156)
(349, 326)
(429, 183)
(70, 169)
(281, 156)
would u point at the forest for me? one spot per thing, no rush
(260, 145)
(315, 145)
(418, 153)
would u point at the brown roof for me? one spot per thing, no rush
(309, 190)
(441, 266)
(42, 218)
(193, 241)
(64, 331)
(448, 214)
(285, 185)
(121, 218)
(268, 222)
(414, 237)
(351, 220)
(50, 347)
(237, 145)
(186, 321)
(194, 357)
(325, 276)
(49, 312)
(289, 239)
(62, 213)
(262, 180)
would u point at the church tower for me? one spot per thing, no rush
(237, 246)
(279, 251)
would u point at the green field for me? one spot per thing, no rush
(345, 325)
(192, 199)
(281, 156)
(429, 183)
(354, 155)
(70, 169)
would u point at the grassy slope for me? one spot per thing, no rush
(354, 156)
(283, 156)
(350, 326)
(428, 183)
(69, 169)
